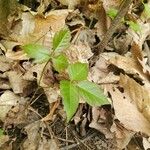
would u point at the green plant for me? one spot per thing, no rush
(112, 13)
(146, 10)
(76, 86)
(1, 132)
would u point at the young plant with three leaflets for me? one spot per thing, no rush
(77, 86)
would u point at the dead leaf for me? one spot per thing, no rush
(128, 64)
(16, 81)
(122, 135)
(3, 139)
(4, 64)
(146, 143)
(139, 95)
(81, 52)
(71, 4)
(7, 100)
(127, 112)
(99, 71)
(100, 121)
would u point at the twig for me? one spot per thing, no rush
(114, 25)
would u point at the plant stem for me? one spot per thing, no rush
(114, 25)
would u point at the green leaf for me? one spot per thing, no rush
(60, 62)
(112, 13)
(69, 93)
(78, 71)
(1, 132)
(92, 94)
(61, 39)
(147, 10)
(38, 52)
(134, 26)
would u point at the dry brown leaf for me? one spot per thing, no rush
(70, 3)
(3, 139)
(52, 93)
(4, 84)
(128, 64)
(111, 4)
(41, 73)
(99, 73)
(16, 81)
(32, 142)
(127, 112)
(7, 100)
(140, 37)
(36, 140)
(139, 94)
(4, 64)
(81, 52)
(122, 135)
(146, 143)
(100, 121)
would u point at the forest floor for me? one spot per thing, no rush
(113, 38)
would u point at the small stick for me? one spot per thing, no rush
(114, 25)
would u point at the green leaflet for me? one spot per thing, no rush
(112, 13)
(78, 71)
(38, 52)
(1, 132)
(134, 26)
(69, 92)
(147, 10)
(92, 94)
(60, 62)
(61, 39)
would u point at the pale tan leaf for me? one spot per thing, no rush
(139, 94)
(146, 143)
(7, 100)
(127, 112)
(16, 81)
(122, 135)
(128, 64)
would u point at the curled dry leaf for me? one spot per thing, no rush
(128, 64)
(127, 112)
(7, 100)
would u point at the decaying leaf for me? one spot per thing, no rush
(122, 135)
(4, 64)
(146, 143)
(16, 81)
(7, 100)
(139, 95)
(100, 121)
(81, 52)
(36, 140)
(127, 112)
(128, 64)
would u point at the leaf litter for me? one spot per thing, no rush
(32, 115)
